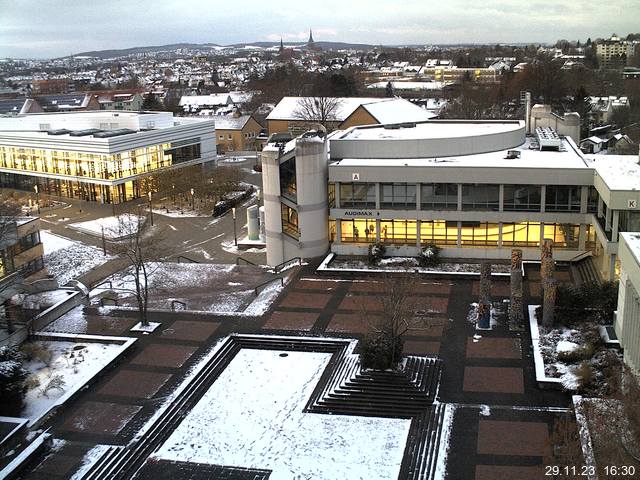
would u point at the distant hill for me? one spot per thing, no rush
(159, 48)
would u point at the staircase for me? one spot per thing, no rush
(585, 271)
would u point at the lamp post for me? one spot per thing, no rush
(235, 236)
(35, 187)
(193, 202)
(150, 208)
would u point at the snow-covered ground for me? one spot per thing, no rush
(114, 227)
(400, 264)
(67, 259)
(253, 417)
(74, 364)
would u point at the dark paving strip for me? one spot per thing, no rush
(164, 470)
(331, 307)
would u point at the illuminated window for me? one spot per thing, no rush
(289, 220)
(564, 235)
(438, 232)
(358, 231)
(524, 234)
(398, 231)
(479, 234)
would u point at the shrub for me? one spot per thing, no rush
(429, 256)
(55, 382)
(589, 302)
(376, 252)
(32, 382)
(12, 381)
(584, 373)
(36, 351)
(585, 352)
(380, 351)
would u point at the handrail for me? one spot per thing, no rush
(189, 260)
(581, 256)
(248, 262)
(178, 302)
(264, 284)
(279, 268)
(104, 282)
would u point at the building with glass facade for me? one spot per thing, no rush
(475, 188)
(99, 155)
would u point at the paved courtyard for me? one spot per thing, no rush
(485, 375)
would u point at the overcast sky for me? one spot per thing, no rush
(50, 28)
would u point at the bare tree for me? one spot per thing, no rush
(322, 110)
(140, 248)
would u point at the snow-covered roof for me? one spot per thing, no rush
(206, 100)
(229, 122)
(632, 239)
(619, 172)
(410, 85)
(385, 110)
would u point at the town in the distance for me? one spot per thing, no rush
(321, 260)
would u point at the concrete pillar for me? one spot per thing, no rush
(600, 206)
(338, 231)
(500, 243)
(543, 198)
(582, 241)
(272, 211)
(253, 223)
(459, 197)
(615, 222)
(501, 198)
(515, 306)
(459, 238)
(378, 195)
(584, 198)
(607, 220)
(337, 201)
(418, 197)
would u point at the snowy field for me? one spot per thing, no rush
(202, 286)
(67, 259)
(114, 227)
(253, 417)
(75, 365)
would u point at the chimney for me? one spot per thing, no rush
(527, 117)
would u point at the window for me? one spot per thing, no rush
(524, 234)
(358, 195)
(590, 240)
(288, 185)
(438, 232)
(564, 235)
(562, 198)
(358, 231)
(398, 195)
(479, 234)
(183, 154)
(331, 195)
(289, 220)
(229, 137)
(477, 196)
(401, 232)
(592, 200)
(439, 196)
(523, 198)
(220, 137)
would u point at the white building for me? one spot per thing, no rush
(475, 188)
(99, 155)
(627, 324)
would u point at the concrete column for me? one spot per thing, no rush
(584, 198)
(377, 230)
(418, 197)
(607, 220)
(543, 198)
(459, 239)
(500, 243)
(272, 214)
(501, 199)
(378, 195)
(338, 231)
(337, 202)
(459, 198)
(253, 223)
(615, 222)
(582, 241)
(418, 242)
(600, 206)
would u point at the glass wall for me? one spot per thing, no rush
(398, 231)
(522, 234)
(357, 195)
(331, 195)
(439, 196)
(592, 200)
(479, 234)
(522, 198)
(439, 232)
(398, 195)
(564, 235)
(590, 238)
(288, 185)
(358, 231)
(562, 198)
(289, 220)
(476, 196)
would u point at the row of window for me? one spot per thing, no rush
(441, 232)
(444, 196)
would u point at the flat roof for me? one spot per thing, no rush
(567, 158)
(633, 241)
(619, 172)
(431, 130)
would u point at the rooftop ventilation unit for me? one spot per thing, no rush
(548, 138)
(114, 133)
(58, 131)
(84, 133)
(512, 154)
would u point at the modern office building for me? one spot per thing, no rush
(20, 247)
(475, 188)
(99, 155)
(614, 52)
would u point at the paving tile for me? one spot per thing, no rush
(99, 325)
(291, 320)
(324, 285)
(360, 303)
(493, 380)
(506, 472)
(164, 355)
(488, 347)
(513, 438)
(420, 347)
(57, 464)
(100, 417)
(305, 300)
(132, 383)
(498, 289)
(352, 323)
(190, 330)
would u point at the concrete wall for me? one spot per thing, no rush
(359, 117)
(627, 324)
(271, 194)
(568, 125)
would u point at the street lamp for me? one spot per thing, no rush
(235, 236)
(35, 187)
(150, 208)
(193, 203)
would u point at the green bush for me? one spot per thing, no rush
(12, 381)
(590, 302)
(380, 351)
(376, 253)
(429, 256)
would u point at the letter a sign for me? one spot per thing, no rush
(355, 177)
(632, 204)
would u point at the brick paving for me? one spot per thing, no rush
(280, 320)
(132, 383)
(164, 355)
(505, 438)
(190, 330)
(489, 347)
(506, 472)
(100, 417)
(493, 379)
(305, 300)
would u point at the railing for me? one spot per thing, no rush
(285, 265)
(106, 282)
(189, 260)
(183, 305)
(246, 262)
(581, 256)
(262, 286)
